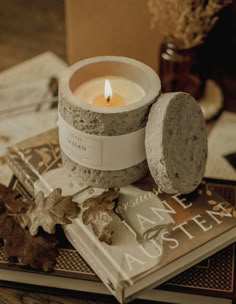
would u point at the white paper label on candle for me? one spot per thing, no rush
(101, 152)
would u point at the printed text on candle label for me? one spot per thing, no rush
(101, 152)
(87, 149)
(76, 142)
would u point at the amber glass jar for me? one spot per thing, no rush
(182, 69)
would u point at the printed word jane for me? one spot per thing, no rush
(180, 233)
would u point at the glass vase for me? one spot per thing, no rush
(182, 69)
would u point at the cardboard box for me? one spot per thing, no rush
(111, 27)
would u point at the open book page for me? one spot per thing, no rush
(222, 148)
(39, 67)
(22, 88)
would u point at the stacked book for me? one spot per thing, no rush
(165, 248)
(203, 223)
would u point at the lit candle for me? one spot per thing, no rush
(108, 99)
(102, 139)
(110, 91)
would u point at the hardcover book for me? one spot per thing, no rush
(211, 281)
(156, 236)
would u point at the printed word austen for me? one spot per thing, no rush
(154, 248)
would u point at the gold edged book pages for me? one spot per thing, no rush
(155, 236)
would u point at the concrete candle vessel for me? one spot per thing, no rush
(104, 146)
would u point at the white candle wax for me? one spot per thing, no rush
(128, 90)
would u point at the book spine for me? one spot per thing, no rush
(21, 171)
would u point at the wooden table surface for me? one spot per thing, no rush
(15, 296)
(29, 28)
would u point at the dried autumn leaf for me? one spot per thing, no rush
(6, 222)
(66, 208)
(48, 211)
(12, 200)
(39, 252)
(99, 214)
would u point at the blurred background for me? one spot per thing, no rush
(77, 29)
(29, 28)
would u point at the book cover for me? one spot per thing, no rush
(187, 228)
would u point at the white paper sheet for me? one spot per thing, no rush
(222, 141)
(22, 87)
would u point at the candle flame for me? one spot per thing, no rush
(107, 90)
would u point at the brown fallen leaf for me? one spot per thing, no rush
(99, 214)
(48, 211)
(13, 200)
(39, 252)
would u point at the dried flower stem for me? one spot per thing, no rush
(186, 22)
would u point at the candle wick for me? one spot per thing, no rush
(108, 98)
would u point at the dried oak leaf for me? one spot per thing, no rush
(98, 214)
(6, 222)
(13, 200)
(39, 252)
(48, 211)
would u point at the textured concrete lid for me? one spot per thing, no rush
(176, 143)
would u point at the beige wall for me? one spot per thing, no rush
(110, 27)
